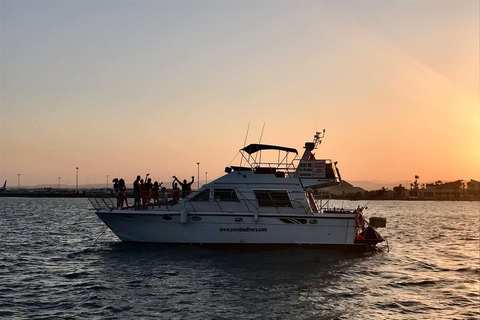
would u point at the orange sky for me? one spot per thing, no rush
(126, 88)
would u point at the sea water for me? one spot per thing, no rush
(56, 263)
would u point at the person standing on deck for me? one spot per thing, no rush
(136, 192)
(116, 190)
(115, 185)
(175, 192)
(186, 187)
(146, 191)
(142, 191)
(122, 196)
(155, 191)
(164, 195)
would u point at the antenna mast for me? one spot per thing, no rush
(317, 138)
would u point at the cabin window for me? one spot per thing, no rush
(225, 195)
(203, 195)
(272, 198)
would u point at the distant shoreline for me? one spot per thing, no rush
(45, 195)
(98, 194)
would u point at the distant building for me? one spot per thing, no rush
(455, 190)
(473, 187)
(444, 191)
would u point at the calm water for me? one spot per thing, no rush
(51, 267)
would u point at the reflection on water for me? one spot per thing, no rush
(51, 266)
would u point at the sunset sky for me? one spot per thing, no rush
(121, 88)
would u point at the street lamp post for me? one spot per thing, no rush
(198, 175)
(18, 187)
(58, 182)
(206, 177)
(77, 180)
(107, 181)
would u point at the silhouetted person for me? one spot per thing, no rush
(148, 190)
(164, 195)
(186, 187)
(136, 192)
(122, 194)
(175, 192)
(115, 186)
(142, 190)
(155, 192)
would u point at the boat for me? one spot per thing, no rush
(258, 204)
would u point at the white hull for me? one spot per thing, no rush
(212, 228)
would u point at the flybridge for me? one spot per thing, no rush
(312, 172)
(283, 166)
(252, 148)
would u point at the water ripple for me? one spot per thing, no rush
(51, 267)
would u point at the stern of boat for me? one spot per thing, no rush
(367, 233)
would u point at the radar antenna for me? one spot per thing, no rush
(317, 139)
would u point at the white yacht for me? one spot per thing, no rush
(254, 205)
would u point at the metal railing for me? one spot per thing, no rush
(101, 202)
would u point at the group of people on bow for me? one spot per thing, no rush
(145, 192)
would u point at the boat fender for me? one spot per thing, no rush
(359, 220)
(183, 216)
(255, 215)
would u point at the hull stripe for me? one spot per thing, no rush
(221, 215)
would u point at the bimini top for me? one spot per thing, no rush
(254, 147)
